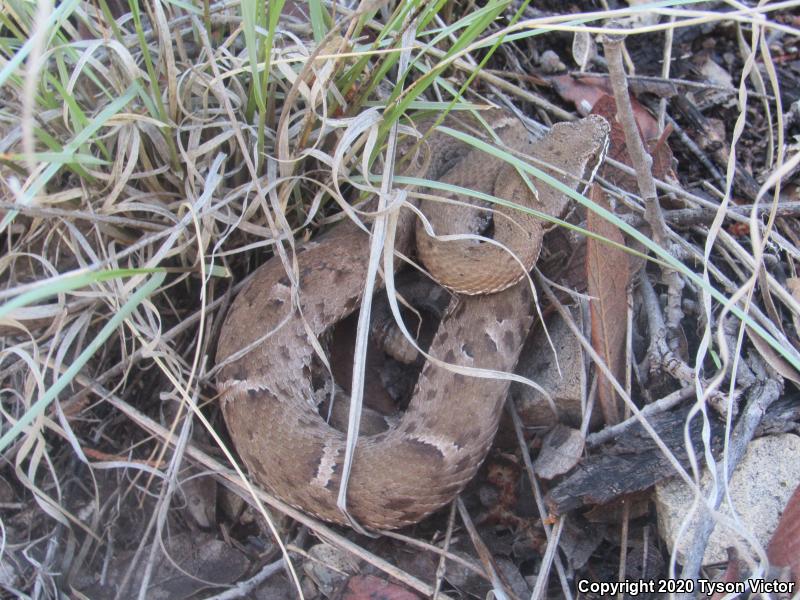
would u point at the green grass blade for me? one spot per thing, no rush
(71, 149)
(66, 283)
(96, 342)
(62, 12)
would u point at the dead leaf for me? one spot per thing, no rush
(586, 89)
(369, 587)
(773, 359)
(608, 274)
(733, 571)
(784, 547)
(583, 49)
(655, 143)
(793, 285)
(582, 94)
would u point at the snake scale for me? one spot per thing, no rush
(403, 474)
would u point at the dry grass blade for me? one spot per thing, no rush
(152, 155)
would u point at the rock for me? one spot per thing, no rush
(760, 488)
(329, 568)
(562, 448)
(550, 62)
(537, 362)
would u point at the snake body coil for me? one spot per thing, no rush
(403, 474)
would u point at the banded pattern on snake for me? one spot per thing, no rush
(405, 473)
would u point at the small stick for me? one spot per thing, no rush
(244, 589)
(697, 151)
(540, 505)
(666, 62)
(761, 396)
(663, 404)
(642, 162)
(442, 566)
(660, 351)
(613, 45)
(500, 587)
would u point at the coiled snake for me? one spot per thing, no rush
(403, 474)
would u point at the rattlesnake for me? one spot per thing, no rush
(403, 474)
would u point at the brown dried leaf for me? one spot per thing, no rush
(655, 142)
(608, 274)
(793, 285)
(577, 90)
(369, 587)
(584, 90)
(606, 107)
(775, 360)
(784, 548)
(733, 571)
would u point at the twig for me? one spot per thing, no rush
(502, 590)
(761, 396)
(613, 45)
(456, 558)
(539, 589)
(642, 163)
(505, 85)
(683, 217)
(606, 435)
(697, 151)
(540, 505)
(666, 62)
(674, 308)
(660, 352)
(699, 201)
(623, 544)
(672, 82)
(247, 588)
(442, 566)
(745, 378)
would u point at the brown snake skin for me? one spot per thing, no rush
(403, 474)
